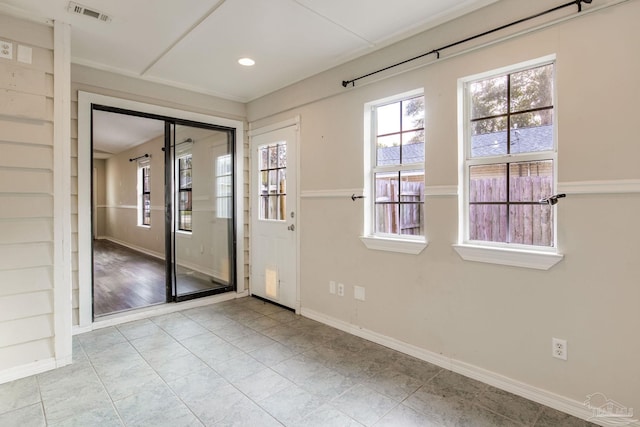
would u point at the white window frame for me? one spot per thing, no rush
(180, 154)
(224, 206)
(408, 244)
(140, 188)
(511, 254)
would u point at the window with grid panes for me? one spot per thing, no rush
(145, 212)
(224, 186)
(272, 165)
(184, 193)
(510, 157)
(398, 168)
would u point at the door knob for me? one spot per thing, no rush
(292, 227)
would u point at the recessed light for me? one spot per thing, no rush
(247, 62)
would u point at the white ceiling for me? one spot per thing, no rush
(114, 133)
(195, 44)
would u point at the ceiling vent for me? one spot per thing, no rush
(86, 11)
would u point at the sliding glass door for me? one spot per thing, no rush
(163, 210)
(200, 210)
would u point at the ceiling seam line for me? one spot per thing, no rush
(326, 18)
(183, 36)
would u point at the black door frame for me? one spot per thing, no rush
(170, 279)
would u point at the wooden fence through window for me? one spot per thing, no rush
(529, 224)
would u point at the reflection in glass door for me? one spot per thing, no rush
(202, 225)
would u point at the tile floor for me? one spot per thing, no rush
(248, 363)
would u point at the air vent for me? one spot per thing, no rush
(91, 13)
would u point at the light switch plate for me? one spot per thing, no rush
(6, 49)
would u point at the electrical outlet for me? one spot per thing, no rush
(559, 348)
(341, 289)
(332, 287)
(358, 293)
(6, 49)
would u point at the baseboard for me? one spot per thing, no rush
(199, 269)
(544, 397)
(135, 248)
(157, 310)
(28, 369)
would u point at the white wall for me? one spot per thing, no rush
(493, 322)
(121, 214)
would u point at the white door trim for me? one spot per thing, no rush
(62, 262)
(85, 100)
(294, 121)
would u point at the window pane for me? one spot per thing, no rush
(532, 88)
(185, 201)
(264, 207)
(273, 207)
(489, 137)
(185, 220)
(264, 182)
(224, 207)
(488, 97)
(185, 178)
(413, 114)
(388, 119)
(530, 181)
(413, 147)
(146, 209)
(388, 152)
(273, 181)
(282, 155)
(488, 223)
(411, 218)
(224, 186)
(531, 224)
(282, 204)
(282, 181)
(145, 179)
(264, 158)
(387, 218)
(488, 183)
(386, 187)
(273, 156)
(532, 132)
(412, 186)
(387, 207)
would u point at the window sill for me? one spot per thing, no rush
(507, 256)
(144, 226)
(405, 246)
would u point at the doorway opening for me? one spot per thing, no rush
(163, 217)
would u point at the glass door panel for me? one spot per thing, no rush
(203, 214)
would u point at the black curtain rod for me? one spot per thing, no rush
(346, 83)
(139, 157)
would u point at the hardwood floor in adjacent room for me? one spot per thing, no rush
(124, 279)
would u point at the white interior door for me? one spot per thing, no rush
(274, 255)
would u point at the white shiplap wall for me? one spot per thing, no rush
(26, 197)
